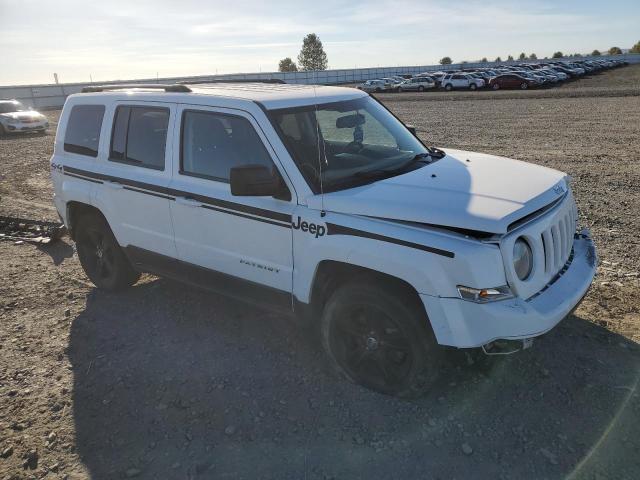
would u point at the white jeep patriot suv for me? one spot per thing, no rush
(320, 202)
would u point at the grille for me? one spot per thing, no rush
(557, 241)
(551, 239)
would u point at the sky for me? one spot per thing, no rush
(102, 40)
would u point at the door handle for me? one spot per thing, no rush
(189, 202)
(114, 185)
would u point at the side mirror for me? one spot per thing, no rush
(412, 129)
(257, 181)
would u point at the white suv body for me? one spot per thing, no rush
(461, 80)
(419, 84)
(163, 170)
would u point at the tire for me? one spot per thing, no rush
(380, 338)
(100, 255)
(3, 132)
(473, 87)
(524, 86)
(378, 90)
(496, 86)
(448, 87)
(421, 88)
(400, 90)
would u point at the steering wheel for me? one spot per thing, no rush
(354, 147)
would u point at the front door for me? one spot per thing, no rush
(248, 238)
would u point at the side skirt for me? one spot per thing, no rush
(211, 280)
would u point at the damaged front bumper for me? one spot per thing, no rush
(465, 324)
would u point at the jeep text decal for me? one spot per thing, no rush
(312, 228)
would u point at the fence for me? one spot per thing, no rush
(53, 95)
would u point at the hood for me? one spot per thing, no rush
(24, 115)
(466, 190)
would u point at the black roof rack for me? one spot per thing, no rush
(174, 87)
(239, 80)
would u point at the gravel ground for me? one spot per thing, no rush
(165, 382)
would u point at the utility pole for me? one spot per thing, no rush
(55, 77)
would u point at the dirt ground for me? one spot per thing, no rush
(163, 381)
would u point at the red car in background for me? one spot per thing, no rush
(511, 80)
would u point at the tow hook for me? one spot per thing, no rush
(506, 347)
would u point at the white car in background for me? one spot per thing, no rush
(419, 84)
(374, 86)
(15, 117)
(461, 80)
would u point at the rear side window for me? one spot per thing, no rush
(139, 136)
(83, 130)
(213, 143)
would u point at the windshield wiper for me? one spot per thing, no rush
(387, 172)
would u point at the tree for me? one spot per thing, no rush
(577, 55)
(287, 65)
(445, 61)
(635, 48)
(615, 51)
(596, 53)
(312, 55)
(510, 58)
(533, 56)
(483, 60)
(498, 59)
(557, 55)
(522, 56)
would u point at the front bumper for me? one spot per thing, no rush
(26, 127)
(464, 324)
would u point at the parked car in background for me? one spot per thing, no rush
(15, 117)
(417, 84)
(373, 86)
(461, 80)
(511, 80)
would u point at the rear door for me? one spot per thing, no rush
(248, 238)
(135, 173)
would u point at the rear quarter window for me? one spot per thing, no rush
(82, 135)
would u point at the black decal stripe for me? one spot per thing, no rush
(333, 229)
(82, 178)
(238, 214)
(131, 189)
(170, 193)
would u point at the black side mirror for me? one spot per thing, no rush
(257, 181)
(412, 129)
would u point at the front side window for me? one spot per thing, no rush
(11, 106)
(213, 143)
(83, 130)
(139, 136)
(346, 143)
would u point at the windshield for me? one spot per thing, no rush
(348, 141)
(9, 107)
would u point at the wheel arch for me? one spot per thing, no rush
(330, 275)
(75, 210)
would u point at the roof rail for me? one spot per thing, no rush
(239, 80)
(174, 87)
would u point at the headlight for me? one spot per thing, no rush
(484, 295)
(522, 259)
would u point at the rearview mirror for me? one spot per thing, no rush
(350, 121)
(257, 181)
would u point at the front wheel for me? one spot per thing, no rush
(380, 338)
(100, 255)
(448, 87)
(524, 85)
(496, 86)
(473, 86)
(421, 88)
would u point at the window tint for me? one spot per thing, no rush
(139, 136)
(83, 129)
(213, 143)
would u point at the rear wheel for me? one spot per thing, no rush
(380, 338)
(473, 86)
(496, 86)
(524, 85)
(400, 90)
(421, 88)
(100, 255)
(448, 87)
(3, 132)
